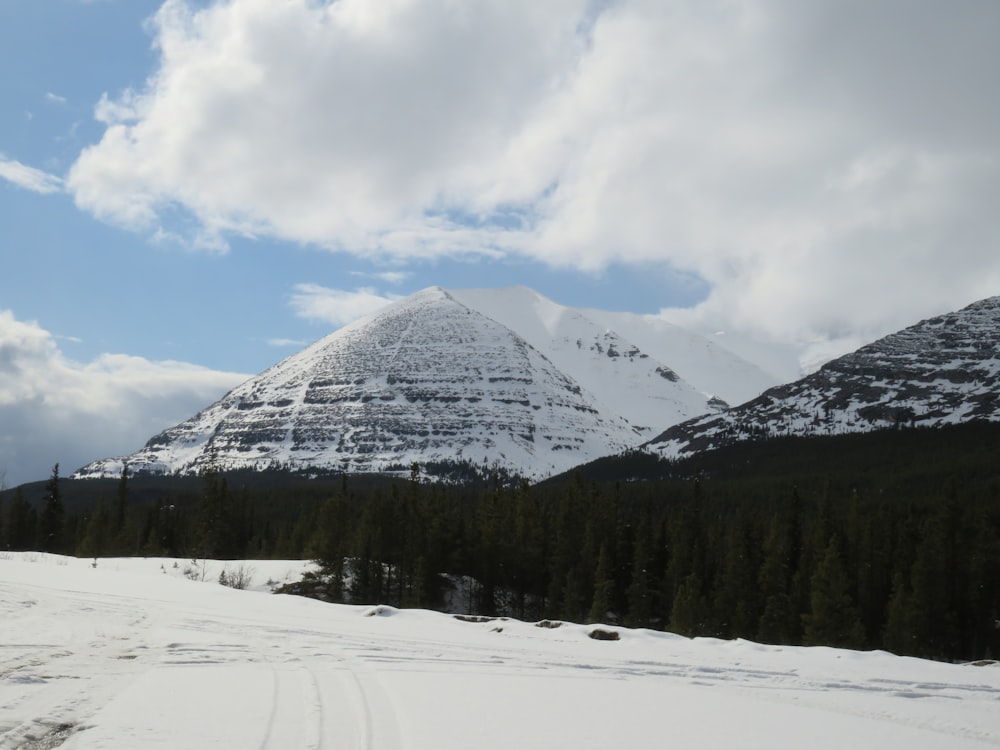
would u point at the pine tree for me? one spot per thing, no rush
(604, 588)
(689, 614)
(53, 515)
(95, 533)
(638, 592)
(118, 521)
(736, 593)
(22, 524)
(899, 635)
(833, 618)
(778, 621)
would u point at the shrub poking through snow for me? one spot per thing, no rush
(237, 578)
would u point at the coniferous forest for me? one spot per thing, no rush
(887, 540)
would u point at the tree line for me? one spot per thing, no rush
(902, 555)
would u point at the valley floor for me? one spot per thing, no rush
(131, 654)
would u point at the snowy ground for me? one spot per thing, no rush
(132, 654)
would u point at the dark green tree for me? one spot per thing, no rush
(22, 524)
(604, 588)
(638, 594)
(779, 621)
(121, 500)
(96, 533)
(833, 618)
(690, 612)
(53, 515)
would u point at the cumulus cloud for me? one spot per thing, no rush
(29, 178)
(830, 169)
(53, 409)
(336, 306)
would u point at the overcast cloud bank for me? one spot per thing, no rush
(54, 410)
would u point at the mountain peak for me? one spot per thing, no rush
(501, 377)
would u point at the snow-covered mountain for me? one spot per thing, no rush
(493, 377)
(944, 370)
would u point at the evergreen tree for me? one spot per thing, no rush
(604, 587)
(736, 595)
(779, 620)
(689, 614)
(222, 528)
(22, 524)
(638, 593)
(118, 520)
(833, 618)
(899, 635)
(53, 515)
(96, 533)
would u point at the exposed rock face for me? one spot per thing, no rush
(944, 370)
(430, 379)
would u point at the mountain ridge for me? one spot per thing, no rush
(433, 379)
(942, 370)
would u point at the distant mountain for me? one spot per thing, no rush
(945, 370)
(501, 378)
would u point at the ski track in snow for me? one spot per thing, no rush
(97, 659)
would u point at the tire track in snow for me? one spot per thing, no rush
(296, 718)
(52, 682)
(325, 699)
(318, 703)
(381, 729)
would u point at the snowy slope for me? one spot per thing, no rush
(426, 379)
(703, 362)
(126, 656)
(944, 370)
(626, 379)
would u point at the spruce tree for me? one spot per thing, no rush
(604, 588)
(778, 621)
(833, 618)
(53, 515)
(118, 521)
(638, 592)
(22, 524)
(689, 614)
(95, 533)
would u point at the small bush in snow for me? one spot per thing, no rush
(238, 578)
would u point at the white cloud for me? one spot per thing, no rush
(830, 169)
(29, 178)
(55, 98)
(286, 342)
(336, 306)
(53, 409)
(389, 277)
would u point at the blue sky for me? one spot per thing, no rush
(103, 288)
(190, 191)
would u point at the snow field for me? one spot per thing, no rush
(131, 655)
